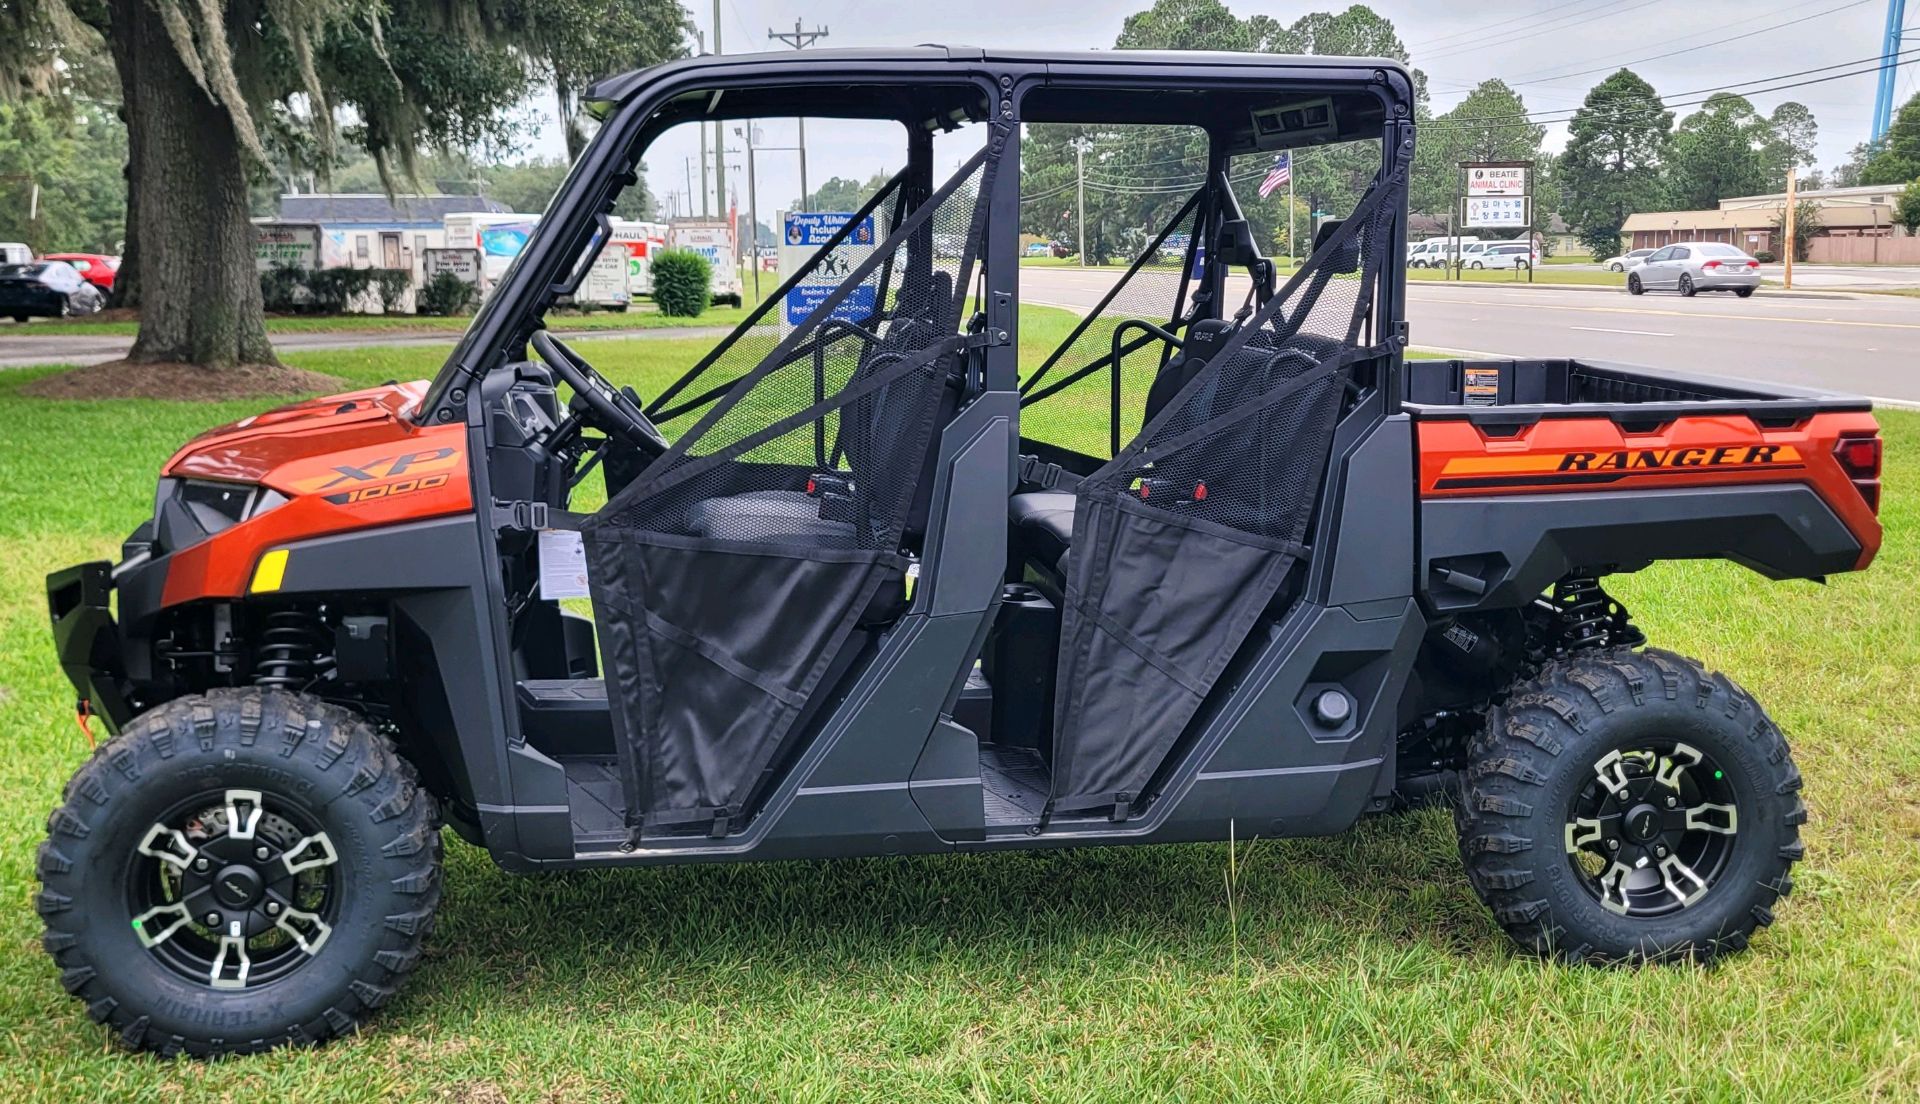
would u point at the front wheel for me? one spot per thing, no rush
(1629, 806)
(1618, 268)
(1476, 265)
(238, 871)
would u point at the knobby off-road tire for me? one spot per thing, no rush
(301, 780)
(1551, 754)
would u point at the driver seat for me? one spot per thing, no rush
(868, 451)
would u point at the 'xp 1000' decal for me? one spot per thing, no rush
(387, 490)
(1549, 469)
(383, 477)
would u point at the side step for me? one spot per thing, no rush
(567, 717)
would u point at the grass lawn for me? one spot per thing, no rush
(1357, 968)
(1569, 258)
(640, 318)
(1488, 276)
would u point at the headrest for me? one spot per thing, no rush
(1348, 259)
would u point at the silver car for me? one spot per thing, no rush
(1687, 267)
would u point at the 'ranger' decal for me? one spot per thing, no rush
(1550, 469)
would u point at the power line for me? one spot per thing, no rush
(1523, 79)
(1535, 118)
(1485, 27)
(1609, 11)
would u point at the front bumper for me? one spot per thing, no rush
(87, 640)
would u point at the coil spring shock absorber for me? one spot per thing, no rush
(288, 655)
(1585, 616)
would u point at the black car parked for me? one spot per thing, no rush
(49, 289)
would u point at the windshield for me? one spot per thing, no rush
(17, 271)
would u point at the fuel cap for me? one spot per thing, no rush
(1332, 708)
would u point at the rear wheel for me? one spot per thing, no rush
(239, 871)
(1686, 286)
(1634, 286)
(1744, 293)
(1630, 806)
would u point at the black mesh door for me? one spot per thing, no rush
(731, 573)
(1184, 539)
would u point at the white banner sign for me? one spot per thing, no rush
(464, 263)
(1495, 211)
(1483, 180)
(282, 244)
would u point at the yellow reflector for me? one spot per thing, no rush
(272, 569)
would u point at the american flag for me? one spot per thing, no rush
(1281, 172)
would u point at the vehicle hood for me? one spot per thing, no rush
(281, 448)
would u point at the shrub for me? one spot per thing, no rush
(681, 281)
(391, 284)
(1765, 256)
(444, 294)
(283, 289)
(329, 290)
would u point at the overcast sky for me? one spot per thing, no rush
(1543, 47)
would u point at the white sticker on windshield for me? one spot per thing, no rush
(563, 564)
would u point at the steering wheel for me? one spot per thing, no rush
(611, 409)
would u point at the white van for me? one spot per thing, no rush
(710, 238)
(1432, 253)
(15, 253)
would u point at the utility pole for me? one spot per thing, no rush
(1792, 239)
(700, 40)
(1080, 187)
(800, 39)
(720, 142)
(753, 206)
(703, 176)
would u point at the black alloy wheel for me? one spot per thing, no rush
(232, 889)
(1651, 832)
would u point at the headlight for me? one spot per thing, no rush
(188, 511)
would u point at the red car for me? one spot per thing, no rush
(96, 268)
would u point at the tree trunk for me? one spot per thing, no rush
(126, 281)
(199, 293)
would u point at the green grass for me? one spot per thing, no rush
(1355, 968)
(1488, 276)
(1569, 258)
(640, 318)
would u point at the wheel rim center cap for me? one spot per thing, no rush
(1641, 823)
(237, 886)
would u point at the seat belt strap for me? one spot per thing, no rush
(1046, 474)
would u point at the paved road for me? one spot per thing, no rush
(1868, 344)
(1807, 277)
(30, 348)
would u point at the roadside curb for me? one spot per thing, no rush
(1521, 285)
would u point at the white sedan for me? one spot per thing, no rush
(1624, 261)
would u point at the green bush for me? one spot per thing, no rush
(681, 281)
(283, 289)
(1765, 256)
(444, 294)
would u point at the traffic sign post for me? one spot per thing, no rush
(1498, 195)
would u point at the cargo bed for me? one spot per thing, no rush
(1521, 391)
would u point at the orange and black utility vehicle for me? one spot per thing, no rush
(875, 576)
